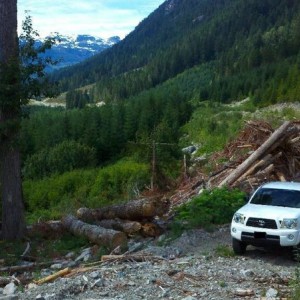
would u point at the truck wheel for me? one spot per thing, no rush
(239, 247)
(296, 253)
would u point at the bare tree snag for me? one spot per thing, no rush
(101, 236)
(269, 143)
(129, 227)
(133, 210)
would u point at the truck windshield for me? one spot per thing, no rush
(277, 197)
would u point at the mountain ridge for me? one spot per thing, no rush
(240, 43)
(70, 50)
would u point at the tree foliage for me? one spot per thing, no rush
(63, 157)
(33, 63)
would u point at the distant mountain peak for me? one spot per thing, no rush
(72, 50)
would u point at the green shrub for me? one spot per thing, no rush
(224, 251)
(51, 198)
(121, 181)
(211, 207)
(212, 125)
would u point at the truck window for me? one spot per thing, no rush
(277, 197)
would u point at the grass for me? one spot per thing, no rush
(212, 125)
(295, 285)
(224, 251)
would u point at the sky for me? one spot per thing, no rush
(101, 18)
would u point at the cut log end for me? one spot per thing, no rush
(119, 239)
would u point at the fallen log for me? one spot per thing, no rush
(133, 210)
(281, 176)
(50, 229)
(263, 174)
(150, 229)
(260, 177)
(243, 293)
(28, 267)
(267, 160)
(53, 276)
(267, 145)
(256, 166)
(96, 234)
(130, 257)
(294, 140)
(129, 227)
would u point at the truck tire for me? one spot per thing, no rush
(239, 247)
(296, 253)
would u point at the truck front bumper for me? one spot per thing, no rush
(265, 237)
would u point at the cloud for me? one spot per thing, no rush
(102, 18)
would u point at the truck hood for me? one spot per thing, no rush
(269, 212)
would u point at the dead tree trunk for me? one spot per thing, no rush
(132, 210)
(101, 236)
(267, 145)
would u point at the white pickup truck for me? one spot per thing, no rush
(270, 218)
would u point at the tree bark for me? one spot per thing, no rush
(129, 227)
(96, 234)
(132, 210)
(266, 146)
(49, 229)
(13, 221)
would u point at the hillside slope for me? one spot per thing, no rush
(249, 48)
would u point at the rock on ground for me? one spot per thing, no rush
(191, 267)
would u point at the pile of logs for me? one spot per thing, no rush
(259, 155)
(110, 226)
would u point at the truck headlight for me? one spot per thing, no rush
(289, 223)
(238, 218)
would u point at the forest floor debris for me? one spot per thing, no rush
(190, 267)
(274, 154)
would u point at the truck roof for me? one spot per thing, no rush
(283, 185)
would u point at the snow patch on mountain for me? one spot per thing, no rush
(71, 50)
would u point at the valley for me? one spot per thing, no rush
(169, 112)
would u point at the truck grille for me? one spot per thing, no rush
(261, 223)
